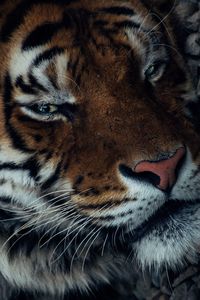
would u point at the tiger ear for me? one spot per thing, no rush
(161, 6)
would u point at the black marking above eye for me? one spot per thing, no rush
(47, 55)
(16, 17)
(118, 10)
(37, 137)
(127, 24)
(17, 139)
(79, 180)
(68, 110)
(41, 35)
(36, 84)
(26, 88)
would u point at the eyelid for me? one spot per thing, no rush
(39, 117)
(161, 66)
(64, 111)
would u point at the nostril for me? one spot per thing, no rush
(166, 169)
(150, 177)
(126, 171)
(161, 173)
(146, 176)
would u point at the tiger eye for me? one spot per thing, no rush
(151, 71)
(44, 109)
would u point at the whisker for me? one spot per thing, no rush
(163, 19)
(57, 233)
(87, 221)
(68, 78)
(143, 22)
(24, 226)
(80, 227)
(79, 246)
(86, 254)
(104, 244)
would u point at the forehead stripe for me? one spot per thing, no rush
(118, 10)
(53, 178)
(47, 55)
(26, 88)
(41, 35)
(127, 24)
(16, 138)
(16, 17)
(35, 84)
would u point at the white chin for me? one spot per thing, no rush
(173, 243)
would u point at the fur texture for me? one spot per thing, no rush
(88, 91)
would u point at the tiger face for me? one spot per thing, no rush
(96, 137)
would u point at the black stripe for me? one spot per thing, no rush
(7, 218)
(5, 214)
(34, 82)
(53, 82)
(53, 178)
(13, 21)
(47, 55)
(100, 23)
(37, 137)
(10, 166)
(17, 140)
(26, 88)
(41, 35)
(77, 18)
(193, 56)
(68, 110)
(79, 180)
(198, 72)
(118, 10)
(74, 65)
(30, 165)
(107, 204)
(16, 17)
(26, 119)
(126, 24)
(6, 200)
(24, 242)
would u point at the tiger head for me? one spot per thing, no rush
(96, 132)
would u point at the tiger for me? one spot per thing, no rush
(99, 143)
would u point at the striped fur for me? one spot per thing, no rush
(77, 108)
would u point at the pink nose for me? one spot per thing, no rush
(165, 169)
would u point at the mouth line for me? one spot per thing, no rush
(161, 217)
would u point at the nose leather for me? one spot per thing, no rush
(164, 169)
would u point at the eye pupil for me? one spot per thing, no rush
(150, 71)
(43, 108)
